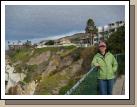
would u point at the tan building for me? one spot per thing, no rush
(15, 47)
(65, 41)
(62, 41)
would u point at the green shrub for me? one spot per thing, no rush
(121, 64)
(50, 42)
(69, 47)
(47, 84)
(64, 89)
(21, 67)
(20, 55)
(87, 55)
(68, 51)
(116, 41)
(31, 73)
(40, 50)
(75, 54)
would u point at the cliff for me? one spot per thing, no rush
(47, 71)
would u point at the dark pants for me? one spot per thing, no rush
(106, 86)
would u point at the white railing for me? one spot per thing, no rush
(80, 81)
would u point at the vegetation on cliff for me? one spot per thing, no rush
(53, 67)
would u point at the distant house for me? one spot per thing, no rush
(62, 41)
(20, 45)
(85, 41)
(65, 41)
(15, 47)
(105, 31)
(56, 42)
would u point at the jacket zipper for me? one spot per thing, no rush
(103, 57)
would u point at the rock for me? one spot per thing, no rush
(43, 57)
(12, 78)
(30, 88)
(17, 63)
(55, 91)
(72, 69)
(9, 69)
(53, 64)
(66, 61)
(77, 66)
(119, 86)
(27, 89)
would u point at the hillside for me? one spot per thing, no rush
(48, 71)
(76, 37)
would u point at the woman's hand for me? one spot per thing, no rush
(97, 65)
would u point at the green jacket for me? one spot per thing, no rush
(108, 65)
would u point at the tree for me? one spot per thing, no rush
(27, 43)
(19, 42)
(50, 42)
(116, 41)
(91, 29)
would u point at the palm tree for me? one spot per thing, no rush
(91, 29)
(19, 42)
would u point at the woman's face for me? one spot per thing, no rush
(102, 49)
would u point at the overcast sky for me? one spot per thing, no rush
(32, 22)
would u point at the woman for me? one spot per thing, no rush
(107, 67)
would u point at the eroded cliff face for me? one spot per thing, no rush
(23, 89)
(11, 77)
(54, 82)
(45, 71)
(38, 59)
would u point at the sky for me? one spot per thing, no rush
(27, 22)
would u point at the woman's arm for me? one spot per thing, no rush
(94, 62)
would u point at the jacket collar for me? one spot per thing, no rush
(100, 55)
